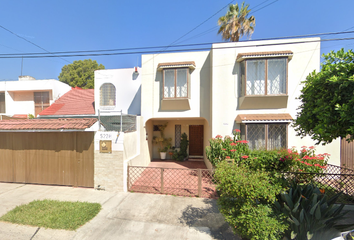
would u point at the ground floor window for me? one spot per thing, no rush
(177, 136)
(266, 136)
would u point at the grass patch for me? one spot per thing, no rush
(53, 214)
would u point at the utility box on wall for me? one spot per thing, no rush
(105, 146)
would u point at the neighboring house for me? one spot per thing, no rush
(29, 96)
(118, 90)
(252, 86)
(66, 145)
(78, 103)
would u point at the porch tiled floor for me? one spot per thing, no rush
(174, 164)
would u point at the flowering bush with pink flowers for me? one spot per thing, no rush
(308, 161)
(275, 161)
(227, 148)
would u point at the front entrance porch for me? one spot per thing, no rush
(166, 133)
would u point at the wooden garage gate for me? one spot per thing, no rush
(58, 158)
(346, 154)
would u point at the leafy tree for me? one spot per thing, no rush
(236, 23)
(327, 108)
(80, 73)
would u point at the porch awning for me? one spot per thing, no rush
(262, 118)
(189, 64)
(243, 56)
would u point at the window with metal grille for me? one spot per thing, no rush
(266, 136)
(107, 95)
(175, 83)
(264, 76)
(2, 103)
(178, 136)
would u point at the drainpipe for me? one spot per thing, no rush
(99, 120)
(121, 120)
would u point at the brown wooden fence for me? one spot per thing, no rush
(346, 154)
(58, 158)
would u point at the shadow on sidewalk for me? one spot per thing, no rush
(210, 217)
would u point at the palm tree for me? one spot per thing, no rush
(235, 23)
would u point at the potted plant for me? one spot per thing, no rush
(164, 144)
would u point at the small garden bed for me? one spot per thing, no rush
(278, 194)
(53, 214)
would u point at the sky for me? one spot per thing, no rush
(42, 26)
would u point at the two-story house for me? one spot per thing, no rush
(252, 86)
(29, 96)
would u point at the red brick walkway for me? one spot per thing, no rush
(173, 178)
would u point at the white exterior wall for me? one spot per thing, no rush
(225, 84)
(215, 87)
(199, 84)
(128, 90)
(19, 95)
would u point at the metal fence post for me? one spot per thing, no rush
(128, 180)
(199, 182)
(161, 180)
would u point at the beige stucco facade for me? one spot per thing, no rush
(215, 86)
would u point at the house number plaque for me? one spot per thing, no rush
(105, 146)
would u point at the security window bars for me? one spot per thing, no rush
(264, 76)
(2, 103)
(266, 136)
(107, 95)
(175, 83)
(177, 136)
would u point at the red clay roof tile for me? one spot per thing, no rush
(75, 102)
(47, 124)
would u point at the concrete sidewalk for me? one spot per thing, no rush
(123, 215)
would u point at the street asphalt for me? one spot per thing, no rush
(123, 215)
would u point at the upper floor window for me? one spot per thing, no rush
(41, 102)
(176, 79)
(107, 95)
(2, 103)
(264, 73)
(264, 76)
(176, 83)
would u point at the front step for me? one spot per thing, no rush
(196, 158)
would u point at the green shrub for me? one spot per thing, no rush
(246, 199)
(308, 211)
(271, 160)
(227, 148)
(181, 154)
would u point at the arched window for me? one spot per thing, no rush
(107, 95)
